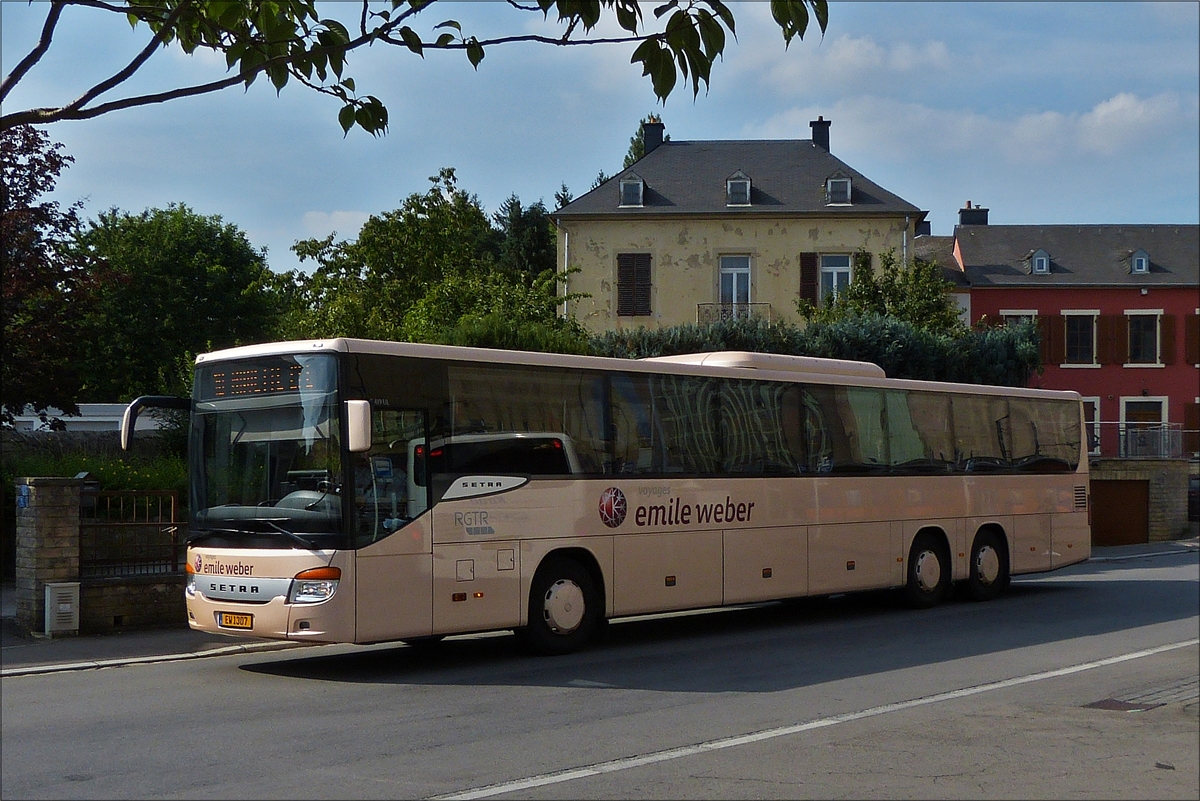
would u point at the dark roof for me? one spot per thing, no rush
(1080, 255)
(940, 250)
(786, 177)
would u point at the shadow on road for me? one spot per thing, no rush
(780, 645)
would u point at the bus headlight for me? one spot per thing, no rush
(314, 586)
(189, 585)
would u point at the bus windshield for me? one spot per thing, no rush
(267, 464)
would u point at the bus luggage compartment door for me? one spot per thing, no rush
(476, 586)
(765, 563)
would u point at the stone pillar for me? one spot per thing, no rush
(47, 543)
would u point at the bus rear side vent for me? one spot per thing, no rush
(1080, 498)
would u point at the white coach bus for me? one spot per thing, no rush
(355, 491)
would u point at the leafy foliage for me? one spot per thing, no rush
(428, 267)
(190, 284)
(287, 40)
(45, 286)
(1000, 356)
(918, 295)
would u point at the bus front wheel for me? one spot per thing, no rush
(564, 607)
(989, 567)
(928, 572)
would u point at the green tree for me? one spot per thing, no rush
(918, 295)
(45, 285)
(287, 40)
(190, 283)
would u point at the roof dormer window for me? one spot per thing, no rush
(1039, 262)
(631, 191)
(837, 191)
(1139, 262)
(737, 189)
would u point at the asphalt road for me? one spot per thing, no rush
(1080, 683)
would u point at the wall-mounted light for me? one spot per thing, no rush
(1145, 291)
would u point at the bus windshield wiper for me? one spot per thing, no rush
(293, 536)
(278, 530)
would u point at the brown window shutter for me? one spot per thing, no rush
(1166, 339)
(1113, 334)
(1191, 427)
(1052, 328)
(1191, 338)
(641, 284)
(633, 284)
(808, 277)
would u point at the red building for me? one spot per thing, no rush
(1118, 308)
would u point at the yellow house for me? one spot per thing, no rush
(697, 231)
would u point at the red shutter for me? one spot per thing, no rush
(1112, 339)
(1166, 344)
(808, 277)
(1191, 338)
(1052, 328)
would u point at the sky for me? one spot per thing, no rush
(1045, 113)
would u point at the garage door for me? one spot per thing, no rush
(1120, 512)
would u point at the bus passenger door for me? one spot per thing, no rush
(393, 530)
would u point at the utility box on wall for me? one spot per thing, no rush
(62, 607)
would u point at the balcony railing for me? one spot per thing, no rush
(716, 312)
(1139, 440)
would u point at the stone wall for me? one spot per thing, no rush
(112, 604)
(47, 547)
(1167, 480)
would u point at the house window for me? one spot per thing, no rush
(1143, 339)
(1081, 337)
(1040, 262)
(1142, 432)
(737, 192)
(631, 192)
(1091, 427)
(1140, 263)
(837, 190)
(1018, 316)
(835, 277)
(633, 284)
(735, 281)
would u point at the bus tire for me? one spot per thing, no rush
(928, 572)
(989, 574)
(564, 607)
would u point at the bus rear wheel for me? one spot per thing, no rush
(989, 575)
(928, 572)
(564, 607)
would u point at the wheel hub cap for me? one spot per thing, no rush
(987, 565)
(563, 608)
(928, 571)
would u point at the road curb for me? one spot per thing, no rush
(1126, 558)
(94, 664)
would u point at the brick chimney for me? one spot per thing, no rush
(820, 132)
(652, 135)
(972, 215)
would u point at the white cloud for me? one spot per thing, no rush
(894, 129)
(345, 223)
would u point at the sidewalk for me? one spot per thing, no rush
(21, 655)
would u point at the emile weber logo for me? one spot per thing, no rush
(221, 569)
(674, 512)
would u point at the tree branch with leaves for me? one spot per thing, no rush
(287, 40)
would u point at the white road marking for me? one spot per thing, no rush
(626, 763)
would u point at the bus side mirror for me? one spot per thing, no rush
(358, 425)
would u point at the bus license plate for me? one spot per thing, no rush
(228, 620)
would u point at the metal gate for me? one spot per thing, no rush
(130, 533)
